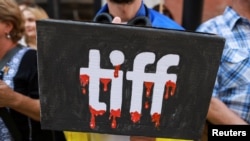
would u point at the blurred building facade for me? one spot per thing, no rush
(211, 8)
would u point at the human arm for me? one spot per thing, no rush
(19, 102)
(140, 138)
(219, 113)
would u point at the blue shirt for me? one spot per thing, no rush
(157, 20)
(232, 85)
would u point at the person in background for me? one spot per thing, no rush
(24, 3)
(230, 102)
(164, 10)
(19, 97)
(31, 15)
(127, 11)
(136, 13)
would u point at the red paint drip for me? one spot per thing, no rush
(135, 116)
(94, 113)
(114, 114)
(84, 80)
(156, 118)
(148, 86)
(105, 82)
(146, 105)
(117, 68)
(84, 90)
(170, 88)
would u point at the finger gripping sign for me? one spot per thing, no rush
(125, 80)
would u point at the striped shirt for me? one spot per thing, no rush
(232, 85)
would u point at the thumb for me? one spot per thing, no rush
(117, 20)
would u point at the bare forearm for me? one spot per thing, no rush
(27, 106)
(140, 138)
(219, 113)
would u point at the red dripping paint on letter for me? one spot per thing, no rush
(146, 105)
(148, 86)
(156, 118)
(135, 116)
(170, 87)
(117, 68)
(105, 82)
(94, 113)
(84, 79)
(114, 114)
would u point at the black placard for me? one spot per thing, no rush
(125, 80)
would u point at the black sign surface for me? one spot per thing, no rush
(125, 80)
